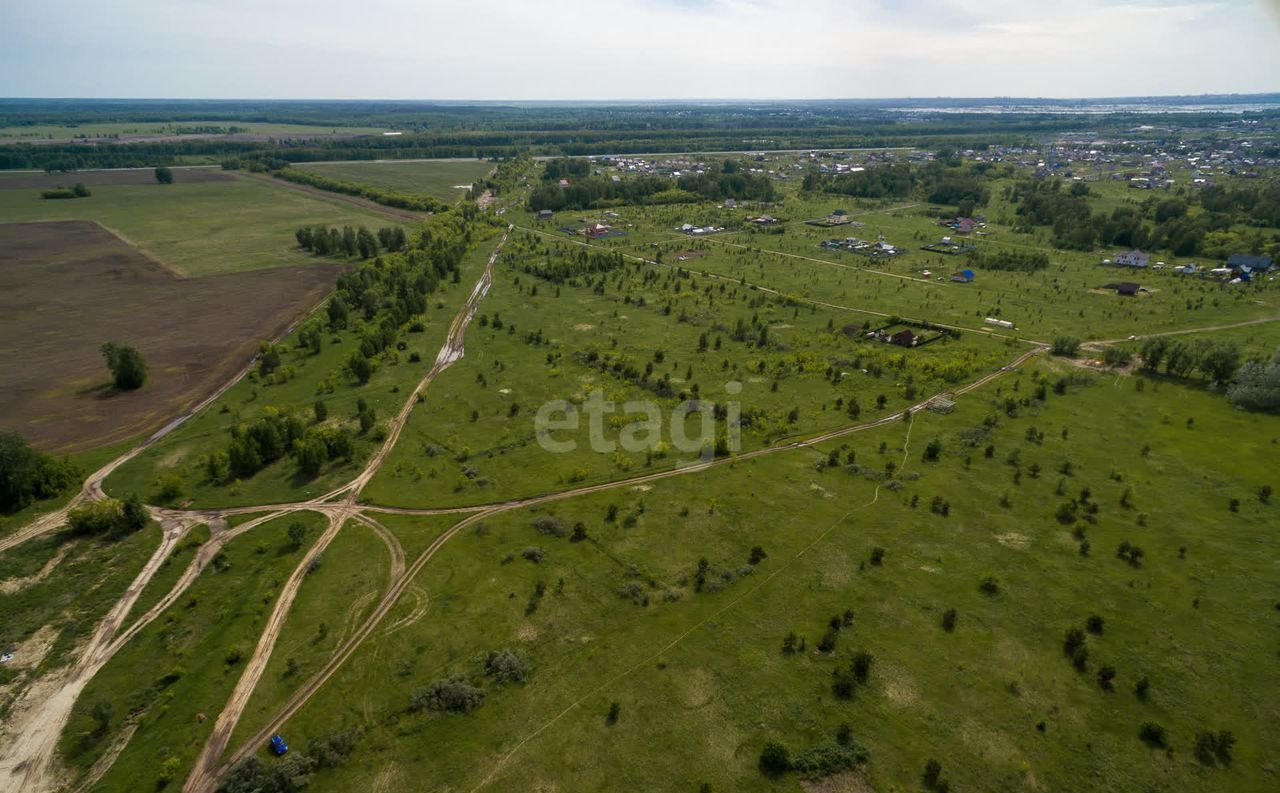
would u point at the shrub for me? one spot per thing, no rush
(949, 620)
(1212, 748)
(505, 666)
(1073, 641)
(97, 518)
(828, 642)
(332, 750)
(844, 735)
(775, 760)
(1106, 674)
(877, 556)
(932, 772)
(1152, 734)
(452, 695)
(549, 524)
(861, 665)
(534, 554)
(1066, 346)
(1094, 624)
(1141, 688)
(827, 758)
(989, 585)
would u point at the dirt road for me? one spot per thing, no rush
(207, 770)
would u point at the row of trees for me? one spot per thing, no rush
(1217, 361)
(415, 202)
(330, 241)
(1255, 384)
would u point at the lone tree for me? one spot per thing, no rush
(164, 175)
(126, 364)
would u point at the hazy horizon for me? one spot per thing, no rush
(663, 51)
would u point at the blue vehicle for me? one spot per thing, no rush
(278, 746)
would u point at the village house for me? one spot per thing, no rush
(963, 277)
(1133, 259)
(544, 214)
(1249, 264)
(904, 338)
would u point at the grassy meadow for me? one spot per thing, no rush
(1069, 555)
(200, 228)
(447, 180)
(701, 677)
(476, 441)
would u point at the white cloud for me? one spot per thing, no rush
(612, 49)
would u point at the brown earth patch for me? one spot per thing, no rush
(68, 286)
(46, 181)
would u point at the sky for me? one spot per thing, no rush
(636, 49)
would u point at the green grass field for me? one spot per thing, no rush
(671, 601)
(353, 572)
(476, 441)
(701, 677)
(56, 589)
(202, 228)
(447, 180)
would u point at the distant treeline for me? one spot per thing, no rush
(412, 201)
(494, 133)
(329, 241)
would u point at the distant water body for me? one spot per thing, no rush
(1094, 108)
